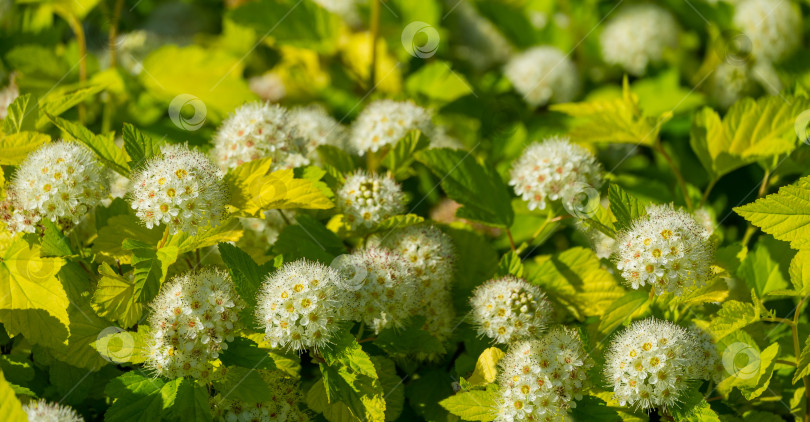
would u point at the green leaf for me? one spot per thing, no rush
(120, 227)
(664, 93)
(254, 189)
(151, 266)
(479, 189)
(510, 264)
(618, 120)
(58, 102)
(229, 230)
(104, 146)
(137, 397)
(336, 159)
(486, 368)
(751, 130)
(54, 243)
(209, 81)
(401, 156)
(349, 376)
(34, 302)
(624, 206)
(693, 408)
(765, 268)
(190, 402)
(800, 272)
(245, 385)
(17, 146)
(139, 147)
(476, 261)
(398, 222)
(576, 280)
(785, 215)
(10, 407)
(733, 316)
(289, 22)
(632, 305)
(21, 115)
(803, 363)
(767, 360)
(247, 276)
(333, 412)
(593, 409)
(115, 299)
(119, 346)
(438, 82)
(247, 354)
(476, 405)
(309, 239)
(392, 385)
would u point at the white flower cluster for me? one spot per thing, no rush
(300, 304)
(541, 379)
(555, 169)
(283, 407)
(346, 9)
(667, 249)
(367, 199)
(482, 44)
(710, 365)
(649, 363)
(774, 27)
(381, 284)
(509, 309)
(431, 255)
(543, 75)
(259, 130)
(730, 82)
(637, 36)
(60, 182)
(42, 411)
(193, 318)
(181, 188)
(316, 127)
(384, 122)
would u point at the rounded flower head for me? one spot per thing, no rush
(384, 122)
(381, 285)
(773, 27)
(555, 169)
(300, 304)
(730, 82)
(193, 318)
(650, 362)
(543, 75)
(182, 188)
(540, 379)
(284, 406)
(316, 127)
(709, 365)
(509, 309)
(667, 249)
(60, 182)
(367, 199)
(429, 252)
(42, 411)
(269, 87)
(637, 36)
(258, 130)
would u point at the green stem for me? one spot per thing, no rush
(797, 352)
(284, 217)
(511, 240)
(361, 330)
(681, 182)
(78, 31)
(707, 192)
(165, 238)
(109, 106)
